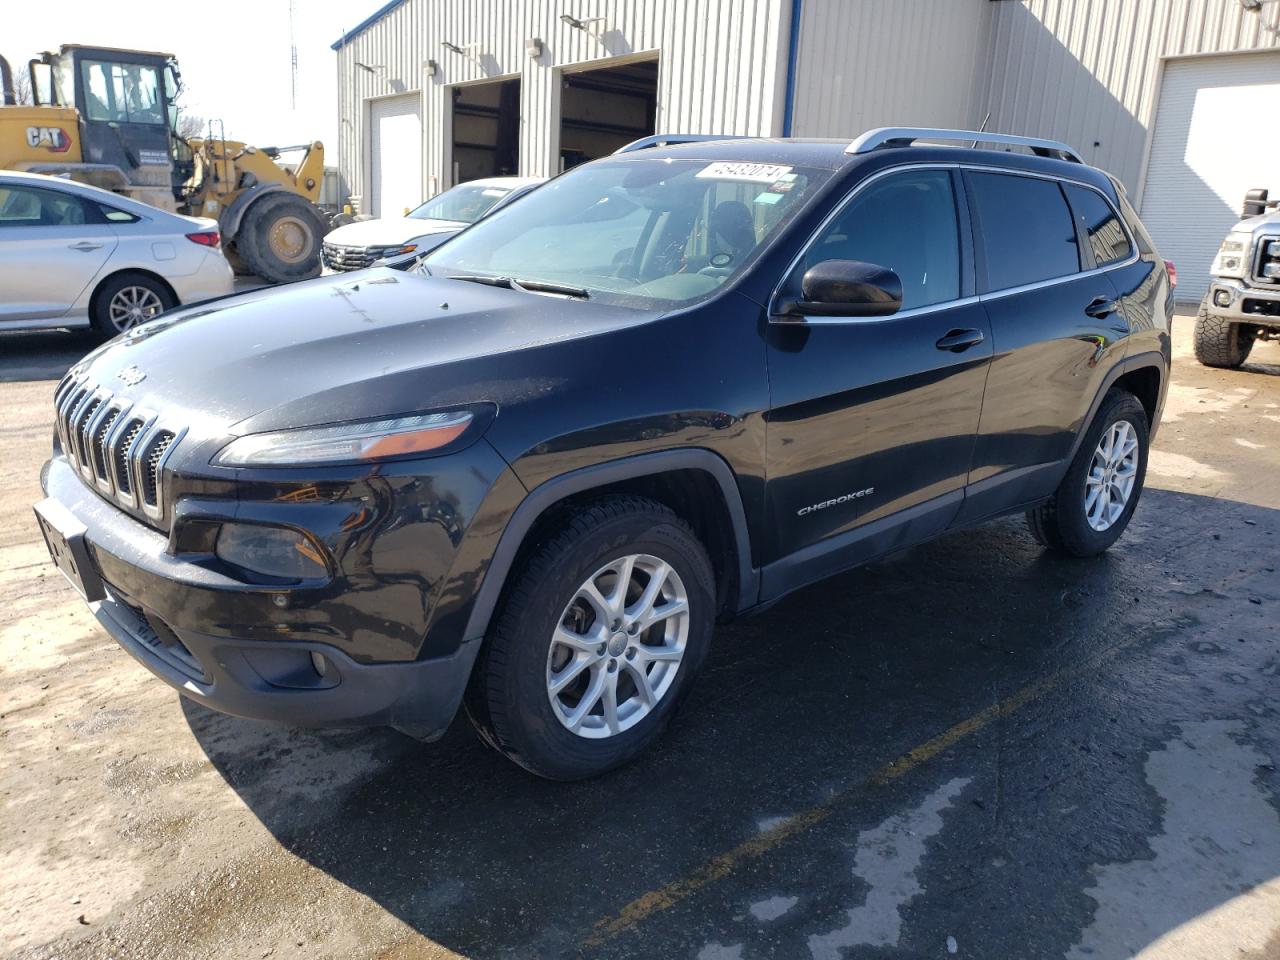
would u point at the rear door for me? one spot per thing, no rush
(872, 419)
(1057, 326)
(52, 245)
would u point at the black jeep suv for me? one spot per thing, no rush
(670, 386)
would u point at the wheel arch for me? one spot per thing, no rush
(231, 218)
(681, 479)
(1146, 376)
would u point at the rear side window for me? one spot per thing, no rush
(22, 206)
(1108, 242)
(906, 222)
(117, 216)
(1027, 231)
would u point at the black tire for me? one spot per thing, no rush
(1219, 342)
(1062, 523)
(119, 286)
(279, 263)
(508, 699)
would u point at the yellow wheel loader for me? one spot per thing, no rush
(108, 117)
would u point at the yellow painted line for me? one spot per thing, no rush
(721, 865)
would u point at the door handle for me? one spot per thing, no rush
(1101, 307)
(85, 246)
(960, 340)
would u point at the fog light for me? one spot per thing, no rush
(271, 551)
(1222, 298)
(319, 662)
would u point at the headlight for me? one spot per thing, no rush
(1233, 258)
(346, 442)
(274, 551)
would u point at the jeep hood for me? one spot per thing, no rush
(340, 348)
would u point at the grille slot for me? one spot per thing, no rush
(101, 464)
(82, 430)
(120, 457)
(151, 459)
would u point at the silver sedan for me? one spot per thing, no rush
(72, 255)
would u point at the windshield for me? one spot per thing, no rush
(635, 232)
(122, 92)
(466, 203)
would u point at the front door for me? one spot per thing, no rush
(872, 420)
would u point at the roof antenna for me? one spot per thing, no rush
(982, 129)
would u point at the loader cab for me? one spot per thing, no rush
(125, 99)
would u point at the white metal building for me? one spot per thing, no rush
(1175, 97)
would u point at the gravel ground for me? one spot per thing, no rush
(971, 748)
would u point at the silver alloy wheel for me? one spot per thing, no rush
(1112, 475)
(615, 653)
(133, 305)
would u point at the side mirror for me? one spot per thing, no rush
(846, 288)
(1255, 204)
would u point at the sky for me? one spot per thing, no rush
(239, 76)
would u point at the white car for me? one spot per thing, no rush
(359, 244)
(72, 255)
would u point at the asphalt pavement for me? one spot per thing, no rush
(972, 748)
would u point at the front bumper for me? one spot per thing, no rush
(1241, 303)
(246, 649)
(279, 682)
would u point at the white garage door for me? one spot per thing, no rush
(396, 157)
(1215, 138)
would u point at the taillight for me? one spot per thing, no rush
(1172, 271)
(206, 238)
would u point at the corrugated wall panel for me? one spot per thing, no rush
(1088, 71)
(876, 63)
(721, 68)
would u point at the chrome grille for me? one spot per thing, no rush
(1264, 256)
(118, 449)
(337, 257)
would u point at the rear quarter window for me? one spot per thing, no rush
(1027, 230)
(1108, 243)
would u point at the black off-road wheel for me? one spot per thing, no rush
(1096, 499)
(1219, 342)
(279, 238)
(597, 640)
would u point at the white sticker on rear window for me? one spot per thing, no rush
(493, 192)
(750, 172)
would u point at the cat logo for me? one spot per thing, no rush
(53, 139)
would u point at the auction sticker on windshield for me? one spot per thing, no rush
(751, 172)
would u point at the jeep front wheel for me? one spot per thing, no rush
(1219, 342)
(597, 642)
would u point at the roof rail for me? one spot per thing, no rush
(668, 139)
(906, 136)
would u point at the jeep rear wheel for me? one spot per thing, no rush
(1219, 342)
(597, 642)
(1097, 497)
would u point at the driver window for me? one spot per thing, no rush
(906, 222)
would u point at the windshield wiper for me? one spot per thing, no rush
(528, 286)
